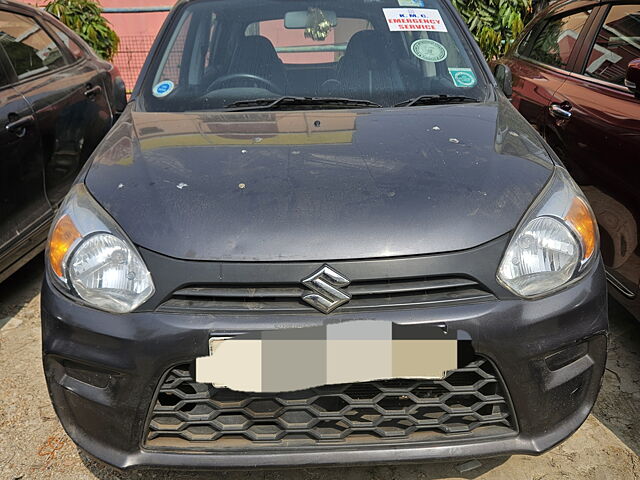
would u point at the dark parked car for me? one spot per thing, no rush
(321, 234)
(576, 75)
(57, 101)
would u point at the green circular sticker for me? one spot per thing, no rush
(464, 79)
(429, 50)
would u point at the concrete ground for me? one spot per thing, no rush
(33, 445)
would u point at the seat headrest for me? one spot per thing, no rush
(368, 43)
(257, 46)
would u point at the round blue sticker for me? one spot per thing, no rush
(163, 88)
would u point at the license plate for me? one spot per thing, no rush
(350, 352)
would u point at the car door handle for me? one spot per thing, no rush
(92, 91)
(18, 127)
(561, 111)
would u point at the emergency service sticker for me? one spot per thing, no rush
(429, 50)
(421, 19)
(163, 88)
(463, 77)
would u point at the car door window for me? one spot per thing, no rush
(523, 48)
(554, 43)
(73, 47)
(30, 49)
(172, 61)
(618, 43)
(4, 78)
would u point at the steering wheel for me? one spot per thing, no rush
(243, 76)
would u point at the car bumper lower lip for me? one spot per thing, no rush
(103, 370)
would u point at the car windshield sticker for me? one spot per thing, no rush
(422, 19)
(429, 50)
(163, 88)
(411, 3)
(463, 77)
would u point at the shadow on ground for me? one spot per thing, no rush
(618, 406)
(20, 289)
(430, 471)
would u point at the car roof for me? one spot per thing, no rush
(20, 6)
(562, 6)
(31, 10)
(43, 15)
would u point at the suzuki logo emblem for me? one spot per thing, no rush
(327, 285)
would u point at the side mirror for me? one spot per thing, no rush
(632, 81)
(503, 76)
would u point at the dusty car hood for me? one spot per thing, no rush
(270, 186)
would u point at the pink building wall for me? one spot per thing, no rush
(137, 31)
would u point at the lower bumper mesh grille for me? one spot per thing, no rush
(469, 403)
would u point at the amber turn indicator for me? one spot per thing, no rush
(583, 221)
(63, 236)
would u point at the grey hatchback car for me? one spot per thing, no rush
(320, 234)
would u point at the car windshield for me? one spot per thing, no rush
(263, 54)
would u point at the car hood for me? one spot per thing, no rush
(319, 185)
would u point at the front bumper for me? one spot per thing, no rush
(103, 370)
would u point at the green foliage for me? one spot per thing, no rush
(495, 23)
(85, 18)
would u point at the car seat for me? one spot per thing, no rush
(368, 68)
(256, 55)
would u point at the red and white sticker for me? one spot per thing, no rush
(421, 19)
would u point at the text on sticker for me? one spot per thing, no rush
(422, 19)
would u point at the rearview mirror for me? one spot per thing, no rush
(504, 78)
(298, 20)
(632, 81)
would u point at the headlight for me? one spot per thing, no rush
(90, 257)
(554, 243)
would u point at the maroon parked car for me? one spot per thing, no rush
(576, 76)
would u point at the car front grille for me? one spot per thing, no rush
(469, 402)
(370, 294)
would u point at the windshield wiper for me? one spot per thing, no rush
(299, 102)
(436, 100)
